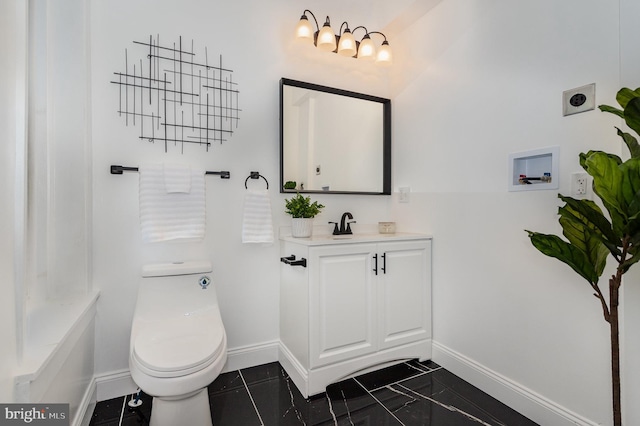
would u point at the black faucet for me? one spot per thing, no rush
(345, 227)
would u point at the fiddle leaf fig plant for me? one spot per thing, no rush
(302, 207)
(591, 236)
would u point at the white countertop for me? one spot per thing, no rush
(324, 239)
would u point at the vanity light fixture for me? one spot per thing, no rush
(343, 43)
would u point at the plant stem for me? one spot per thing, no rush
(603, 302)
(614, 287)
(614, 298)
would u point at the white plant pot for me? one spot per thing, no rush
(301, 227)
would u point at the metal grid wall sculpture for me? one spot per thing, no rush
(178, 99)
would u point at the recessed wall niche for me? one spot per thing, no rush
(177, 96)
(534, 170)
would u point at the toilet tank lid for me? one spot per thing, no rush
(176, 268)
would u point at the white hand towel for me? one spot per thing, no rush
(177, 178)
(257, 224)
(170, 216)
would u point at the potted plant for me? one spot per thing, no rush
(302, 211)
(592, 236)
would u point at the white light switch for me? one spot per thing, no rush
(404, 194)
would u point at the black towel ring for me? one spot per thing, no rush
(255, 175)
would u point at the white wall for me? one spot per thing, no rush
(255, 40)
(485, 79)
(12, 31)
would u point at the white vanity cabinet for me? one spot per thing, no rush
(358, 303)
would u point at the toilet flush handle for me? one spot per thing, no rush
(204, 282)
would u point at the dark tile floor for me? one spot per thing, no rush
(411, 393)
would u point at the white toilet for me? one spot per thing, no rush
(178, 344)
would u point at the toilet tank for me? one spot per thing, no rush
(175, 289)
(176, 268)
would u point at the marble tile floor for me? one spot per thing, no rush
(410, 393)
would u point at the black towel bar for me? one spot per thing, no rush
(291, 260)
(118, 170)
(255, 175)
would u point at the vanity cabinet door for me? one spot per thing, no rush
(404, 292)
(342, 303)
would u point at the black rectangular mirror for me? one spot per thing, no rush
(333, 141)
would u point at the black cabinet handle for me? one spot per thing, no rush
(384, 263)
(291, 260)
(375, 267)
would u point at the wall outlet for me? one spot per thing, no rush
(580, 99)
(579, 184)
(318, 169)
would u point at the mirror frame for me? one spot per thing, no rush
(386, 136)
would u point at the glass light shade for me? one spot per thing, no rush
(304, 30)
(347, 44)
(326, 38)
(384, 56)
(367, 49)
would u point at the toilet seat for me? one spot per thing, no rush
(179, 346)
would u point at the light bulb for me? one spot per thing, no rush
(304, 30)
(347, 44)
(367, 49)
(326, 37)
(384, 56)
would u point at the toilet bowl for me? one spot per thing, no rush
(178, 343)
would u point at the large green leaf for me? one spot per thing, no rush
(591, 213)
(630, 186)
(583, 158)
(632, 114)
(634, 252)
(618, 221)
(625, 95)
(607, 183)
(618, 185)
(554, 246)
(631, 142)
(584, 235)
(612, 110)
(633, 223)
(630, 262)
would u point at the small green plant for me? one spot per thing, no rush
(302, 207)
(290, 184)
(592, 237)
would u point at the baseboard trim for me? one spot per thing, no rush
(119, 383)
(312, 381)
(251, 355)
(87, 405)
(522, 399)
(114, 385)
(294, 369)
